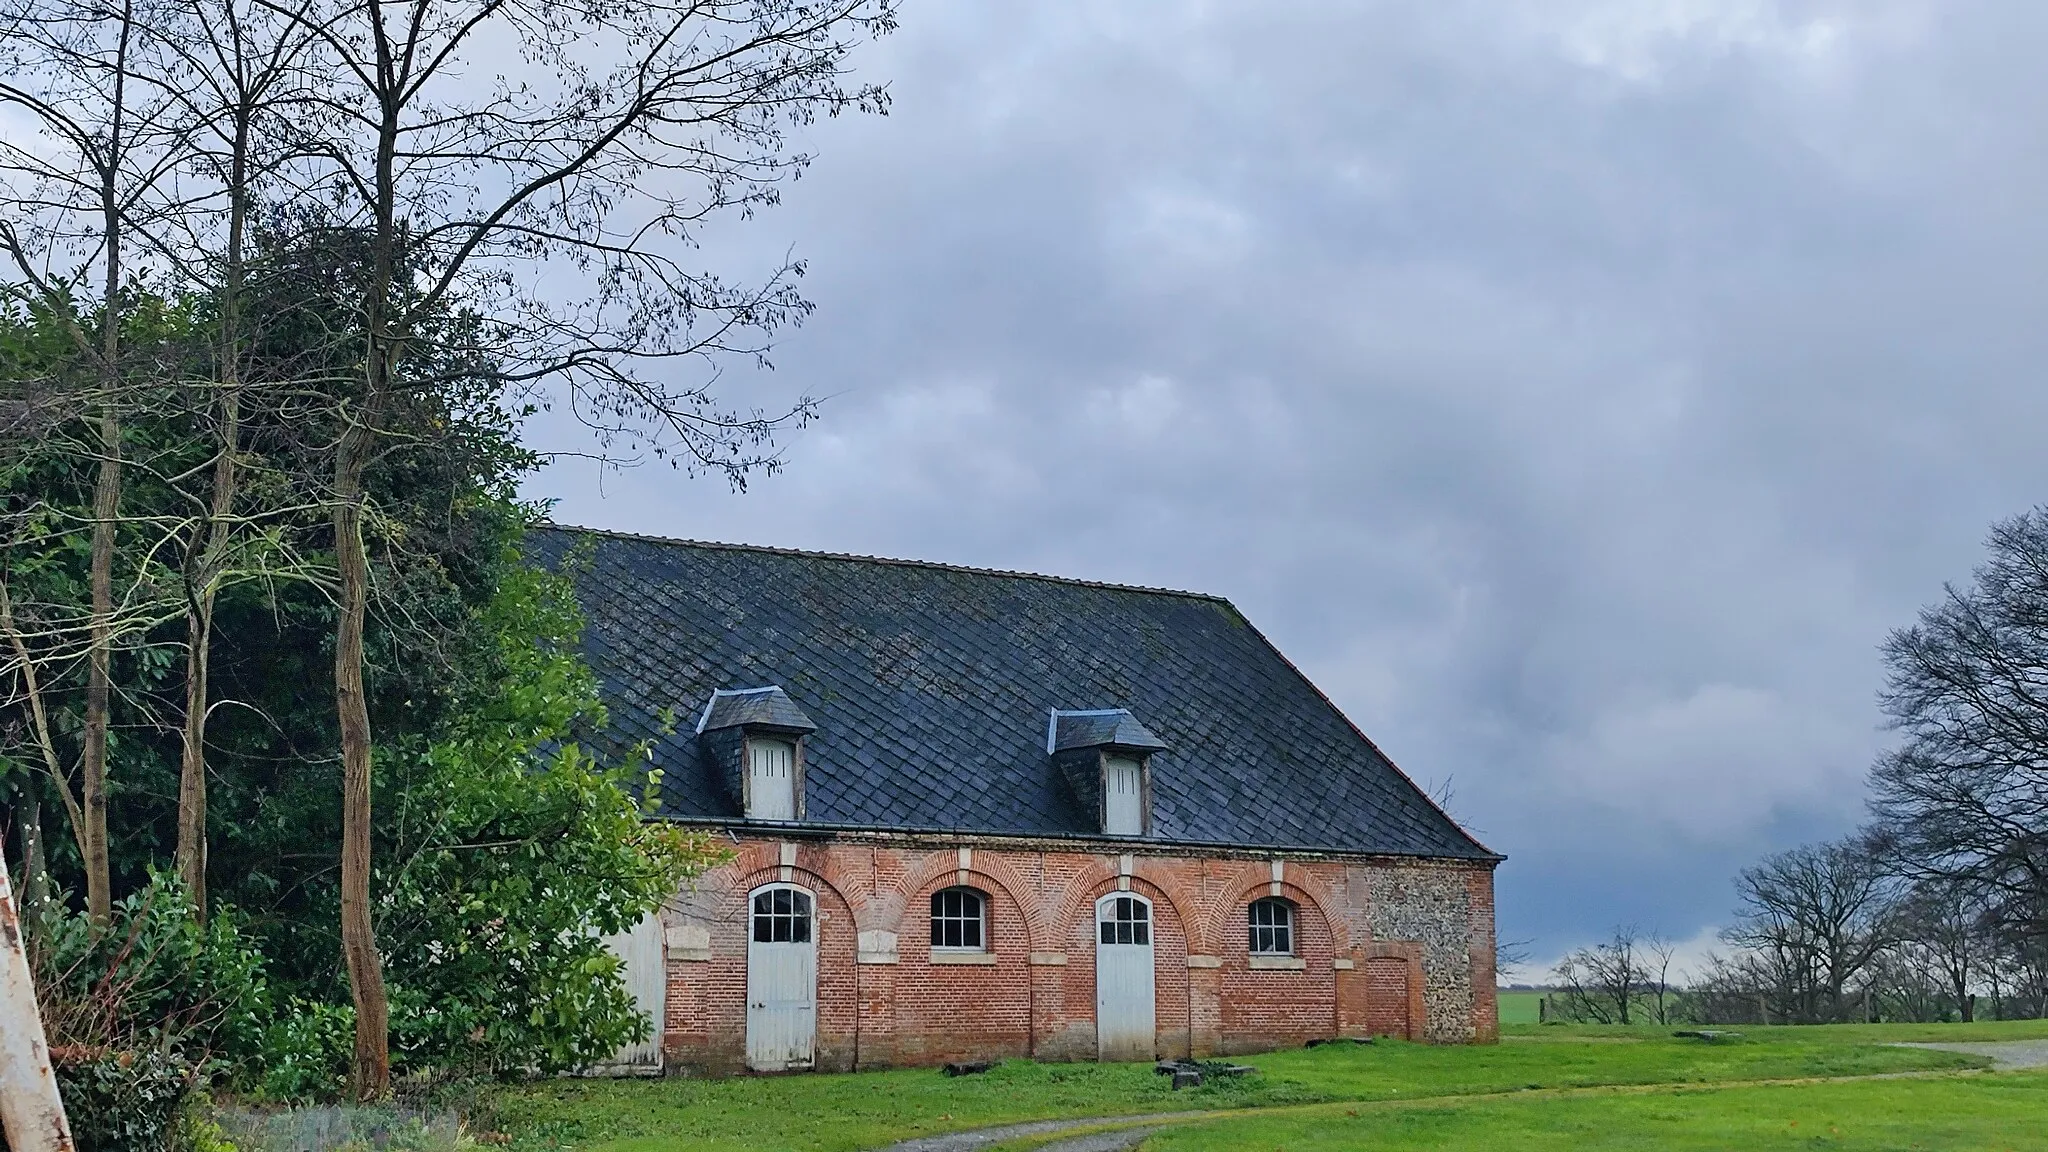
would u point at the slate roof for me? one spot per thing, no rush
(931, 688)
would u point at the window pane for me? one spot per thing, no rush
(1141, 933)
(1108, 932)
(970, 933)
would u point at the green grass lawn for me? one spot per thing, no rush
(846, 1113)
(1948, 1114)
(1519, 1007)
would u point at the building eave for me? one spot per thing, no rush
(1054, 841)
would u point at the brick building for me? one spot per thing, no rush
(979, 814)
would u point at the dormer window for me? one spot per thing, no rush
(1105, 754)
(754, 739)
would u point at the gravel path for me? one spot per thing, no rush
(2002, 1053)
(1121, 1140)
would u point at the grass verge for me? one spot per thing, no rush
(846, 1113)
(1984, 1113)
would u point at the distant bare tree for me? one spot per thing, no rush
(1944, 931)
(1812, 920)
(1603, 982)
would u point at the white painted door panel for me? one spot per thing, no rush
(1124, 1025)
(646, 970)
(782, 982)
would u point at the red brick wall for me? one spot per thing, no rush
(880, 1006)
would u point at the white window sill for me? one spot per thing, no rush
(1279, 963)
(963, 957)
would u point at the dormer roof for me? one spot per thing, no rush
(1113, 729)
(768, 707)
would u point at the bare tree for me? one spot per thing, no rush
(1813, 919)
(1942, 930)
(1964, 798)
(73, 198)
(245, 82)
(1603, 982)
(558, 205)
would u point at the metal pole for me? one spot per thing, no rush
(30, 1109)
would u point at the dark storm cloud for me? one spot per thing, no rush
(1577, 391)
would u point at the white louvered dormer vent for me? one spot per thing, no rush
(1123, 796)
(771, 779)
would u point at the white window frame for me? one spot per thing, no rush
(980, 919)
(1108, 915)
(1290, 926)
(803, 909)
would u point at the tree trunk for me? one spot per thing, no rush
(31, 1113)
(203, 590)
(192, 764)
(192, 768)
(106, 505)
(35, 862)
(372, 1070)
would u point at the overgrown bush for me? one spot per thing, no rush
(306, 1050)
(523, 852)
(123, 1101)
(142, 1010)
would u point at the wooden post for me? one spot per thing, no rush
(31, 1112)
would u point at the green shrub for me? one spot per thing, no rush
(306, 1050)
(154, 978)
(143, 1010)
(123, 1101)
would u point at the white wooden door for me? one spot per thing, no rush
(1123, 977)
(782, 980)
(771, 784)
(1123, 789)
(645, 965)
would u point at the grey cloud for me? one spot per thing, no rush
(1577, 391)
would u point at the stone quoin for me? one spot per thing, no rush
(980, 814)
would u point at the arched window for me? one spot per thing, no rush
(782, 916)
(960, 920)
(1272, 927)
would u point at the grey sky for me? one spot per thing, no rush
(1576, 390)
